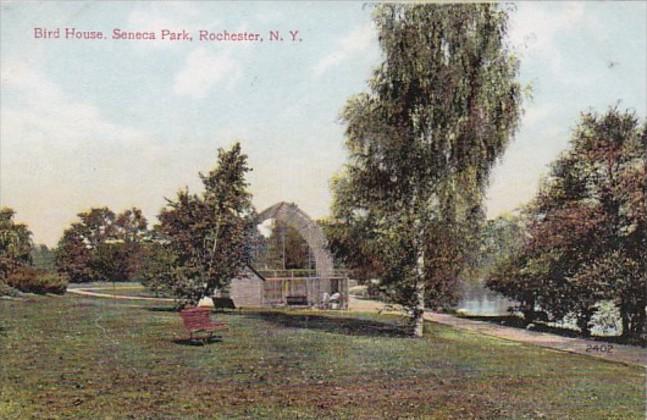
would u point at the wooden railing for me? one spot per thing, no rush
(277, 289)
(296, 273)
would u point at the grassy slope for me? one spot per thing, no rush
(72, 356)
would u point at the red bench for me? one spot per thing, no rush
(198, 320)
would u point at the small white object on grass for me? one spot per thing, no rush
(206, 301)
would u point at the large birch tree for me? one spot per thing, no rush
(440, 110)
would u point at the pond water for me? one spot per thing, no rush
(477, 300)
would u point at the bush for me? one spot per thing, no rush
(31, 280)
(6, 290)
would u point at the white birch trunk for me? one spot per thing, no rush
(419, 310)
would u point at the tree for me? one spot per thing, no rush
(499, 238)
(209, 235)
(76, 251)
(132, 233)
(441, 110)
(43, 258)
(520, 279)
(73, 256)
(285, 248)
(113, 262)
(15, 244)
(103, 246)
(587, 236)
(158, 262)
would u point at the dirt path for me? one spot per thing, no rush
(91, 291)
(632, 355)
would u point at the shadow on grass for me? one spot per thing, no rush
(162, 309)
(174, 309)
(197, 341)
(337, 325)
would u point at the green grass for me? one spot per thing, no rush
(82, 357)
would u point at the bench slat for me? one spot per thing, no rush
(198, 319)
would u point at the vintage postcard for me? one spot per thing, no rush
(306, 210)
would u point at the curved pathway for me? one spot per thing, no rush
(620, 353)
(91, 291)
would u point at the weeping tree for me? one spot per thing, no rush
(440, 110)
(15, 244)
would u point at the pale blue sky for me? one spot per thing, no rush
(118, 123)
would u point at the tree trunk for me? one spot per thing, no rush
(583, 321)
(641, 318)
(625, 320)
(419, 310)
(528, 310)
(633, 320)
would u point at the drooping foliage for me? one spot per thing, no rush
(440, 110)
(15, 244)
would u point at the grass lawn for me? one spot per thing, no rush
(73, 356)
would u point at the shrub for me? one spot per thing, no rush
(31, 280)
(6, 290)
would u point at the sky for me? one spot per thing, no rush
(122, 123)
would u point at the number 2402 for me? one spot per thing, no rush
(602, 348)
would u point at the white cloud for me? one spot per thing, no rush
(536, 27)
(203, 70)
(537, 114)
(355, 42)
(60, 155)
(48, 110)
